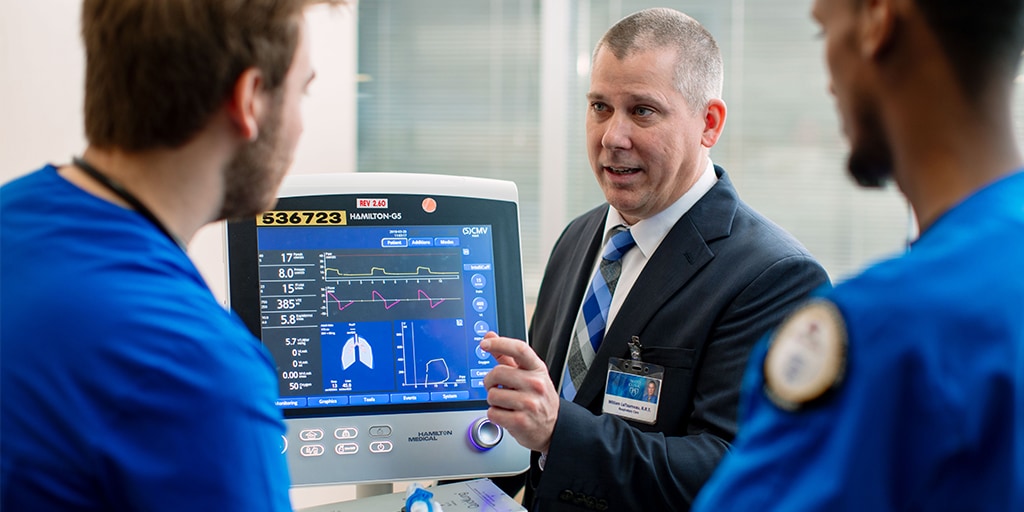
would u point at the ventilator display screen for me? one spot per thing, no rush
(378, 302)
(364, 315)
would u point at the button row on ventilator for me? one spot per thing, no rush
(316, 450)
(317, 434)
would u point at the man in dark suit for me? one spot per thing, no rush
(701, 278)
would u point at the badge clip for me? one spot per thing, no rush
(634, 353)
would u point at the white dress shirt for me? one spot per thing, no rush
(648, 234)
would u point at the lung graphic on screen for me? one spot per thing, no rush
(356, 345)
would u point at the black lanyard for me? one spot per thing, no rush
(123, 193)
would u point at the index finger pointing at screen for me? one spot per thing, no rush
(518, 351)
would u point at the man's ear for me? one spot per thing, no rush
(877, 24)
(246, 104)
(714, 122)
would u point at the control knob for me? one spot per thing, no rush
(485, 434)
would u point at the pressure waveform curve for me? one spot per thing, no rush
(379, 273)
(376, 296)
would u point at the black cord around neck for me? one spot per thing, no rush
(128, 197)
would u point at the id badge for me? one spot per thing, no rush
(633, 389)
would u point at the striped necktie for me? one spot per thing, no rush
(593, 315)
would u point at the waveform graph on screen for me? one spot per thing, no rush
(431, 354)
(382, 286)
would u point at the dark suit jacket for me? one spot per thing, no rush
(722, 277)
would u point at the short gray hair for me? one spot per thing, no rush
(699, 65)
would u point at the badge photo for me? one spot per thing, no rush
(632, 390)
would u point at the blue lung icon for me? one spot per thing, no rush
(348, 352)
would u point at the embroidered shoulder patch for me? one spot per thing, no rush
(807, 356)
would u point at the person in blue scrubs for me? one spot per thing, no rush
(124, 384)
(903, 388)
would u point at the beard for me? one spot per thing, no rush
(870, 162)
(252, 177)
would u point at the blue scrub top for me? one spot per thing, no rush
(124, 385)
(929, 412)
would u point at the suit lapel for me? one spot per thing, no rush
(682, 254)
(577, 268)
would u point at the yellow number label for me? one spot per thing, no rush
(302, 218)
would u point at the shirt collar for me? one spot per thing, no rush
(649, 232)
